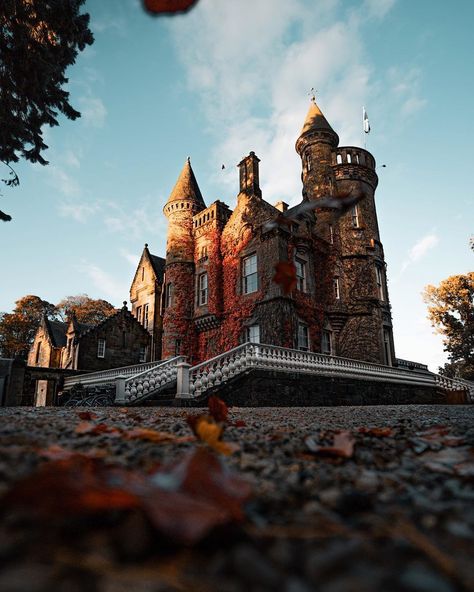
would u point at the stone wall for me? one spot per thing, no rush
(269, 388)
(124, 337)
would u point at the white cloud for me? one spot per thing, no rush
(80, 212)
(377, 8)
(132, 258)
(274, 58)
(419, 250)
(108, 287)
(406, 87)
(71, 159)
(62, 181)
(93, 111)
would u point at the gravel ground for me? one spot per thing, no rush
(396, 514)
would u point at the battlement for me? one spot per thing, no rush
(217, 211)
(353, 155)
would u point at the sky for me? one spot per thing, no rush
(231, 77)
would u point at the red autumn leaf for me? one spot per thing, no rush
(56, 452)
(77, 485)
(87, 427)
(343, 445)
(217, 408)
(239, 423)
(378, 432)
(285, 275)
(86, 415)
(170, 6)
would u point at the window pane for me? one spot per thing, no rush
(254, 334)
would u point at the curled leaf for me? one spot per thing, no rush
(217, 408)
(285, 275)
(343, 446)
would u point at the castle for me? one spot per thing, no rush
(215, 289)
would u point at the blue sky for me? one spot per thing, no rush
(230, 77)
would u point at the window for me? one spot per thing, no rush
(386, 347)
(337, 291)
(202, 289)
(139, 314)
(143, 273)
(349, 158)
(142, 355)
(145, 316)
(355, 216)
(177, 347)
(326, 343)
(252, 334)
(101, 348)
(379, 277)
(300, 274)
(168, 294)
(303, 337)
(204, 252)
(38, 352)
(331, 234)
(307, 158)
(339, 159)
(249, 274)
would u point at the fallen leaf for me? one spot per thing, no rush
(149, 434)
(378, 432)
(452, 461)
(87, 427)
(56, 452)
(217, 408)
(285, 275)
(168, 6)
(208, 431)
(343, 445)
(87, 415)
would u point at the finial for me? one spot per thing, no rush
(189, 160)
(124, 307)
(312, 94)
(146, 245)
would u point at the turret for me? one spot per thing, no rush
(184, 202)
(315, 145)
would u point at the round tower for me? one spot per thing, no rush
(184, 202)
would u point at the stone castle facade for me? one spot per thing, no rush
(215, 289)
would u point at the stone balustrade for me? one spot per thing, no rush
(142, 386)
(102, 376)
(218, 370)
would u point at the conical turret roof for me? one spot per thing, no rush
(186, 187)
(315, 120)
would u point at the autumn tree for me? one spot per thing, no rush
(451, 312)
(17, 329)
(87, 310)
(39, 39)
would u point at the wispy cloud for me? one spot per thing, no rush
(108, 286)
(275, 63)
(78, 211)
(132, 258)
(93, 111)
(419, 250)
(61, 181)
(406, 86)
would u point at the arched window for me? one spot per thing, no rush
(339, 159)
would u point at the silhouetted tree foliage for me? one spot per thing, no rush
(17, 329)
(39, 39)
(86, 310)
(451, 312)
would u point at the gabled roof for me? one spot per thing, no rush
(56, 331)
(158, 264)
(186, 187)
(86, 329)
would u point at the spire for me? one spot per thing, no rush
(315, 120)
(186, 187)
